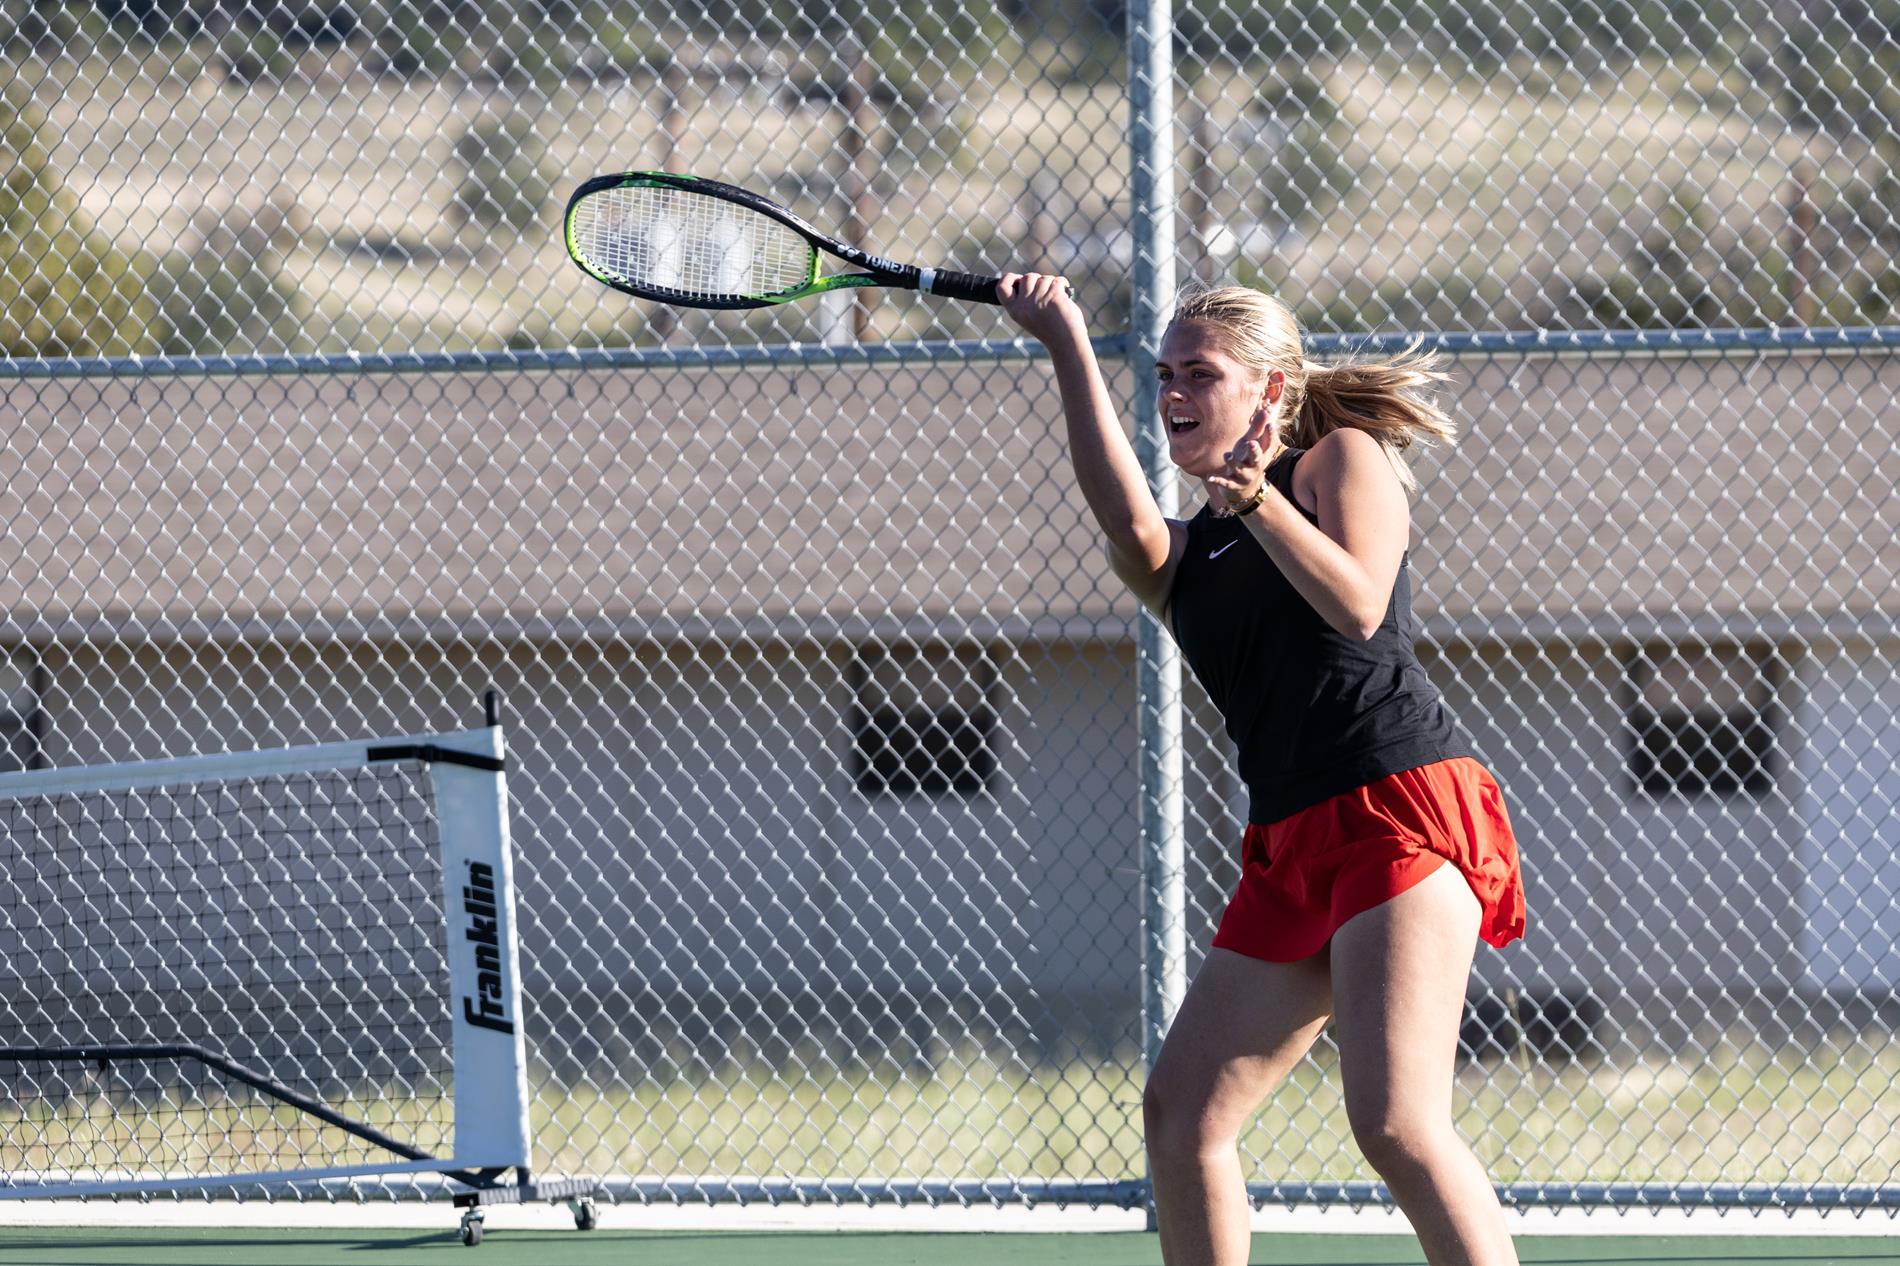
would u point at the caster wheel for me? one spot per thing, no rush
(585, 1218)
(471, 1230)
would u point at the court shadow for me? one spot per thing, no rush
(286, 1248)
(1856, 1256)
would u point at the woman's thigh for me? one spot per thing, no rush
(1242, 1027)
(1399, 977)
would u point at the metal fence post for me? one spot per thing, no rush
(1158, 665)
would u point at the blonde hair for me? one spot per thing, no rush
(1386, 399)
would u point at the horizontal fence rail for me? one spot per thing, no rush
(1576, 342)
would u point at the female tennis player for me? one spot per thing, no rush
(1377, 850)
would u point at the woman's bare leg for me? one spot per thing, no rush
(1242, 1027)
(1399, 975)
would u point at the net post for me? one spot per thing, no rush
(490, 1051)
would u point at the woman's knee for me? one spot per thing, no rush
(1178, 1121)
(1396, 1142)
(1163, 1108)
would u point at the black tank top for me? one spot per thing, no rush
(1314, 713)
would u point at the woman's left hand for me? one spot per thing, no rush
(1246, 468)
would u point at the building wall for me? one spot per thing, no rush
(1632, 894)
(696, 850)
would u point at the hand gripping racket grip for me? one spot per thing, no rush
(953, 285)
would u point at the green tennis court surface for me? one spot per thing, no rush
(77, 1246)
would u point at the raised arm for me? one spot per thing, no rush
(1345, 567)
(1142, 544)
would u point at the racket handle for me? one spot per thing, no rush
(965, 286)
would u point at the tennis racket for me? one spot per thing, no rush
(702, 244)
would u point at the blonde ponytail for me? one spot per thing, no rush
(1387, 399)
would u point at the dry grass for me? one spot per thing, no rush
(202, 1132)
(1742, 1114)
(1747, 1115)
(1525, 179)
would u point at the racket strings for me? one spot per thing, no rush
(690, 245)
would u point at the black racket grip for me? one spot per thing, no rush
(965, 286)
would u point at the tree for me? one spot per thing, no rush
(65, 288)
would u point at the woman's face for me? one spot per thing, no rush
(1208, 399)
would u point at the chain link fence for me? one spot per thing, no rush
(854, 802)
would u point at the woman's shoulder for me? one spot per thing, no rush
(1346, 444)
(1347, 457)
(1347, 454)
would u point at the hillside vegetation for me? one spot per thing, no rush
(390, 177)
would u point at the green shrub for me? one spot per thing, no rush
(65, 288)
(502, 184)
(225, 291)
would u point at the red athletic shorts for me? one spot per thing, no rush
(1304, 876)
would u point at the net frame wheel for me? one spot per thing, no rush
(585, 1216)
(472, 1228)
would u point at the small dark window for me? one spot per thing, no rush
(1702, 720)
(922, 722)
(20, 720)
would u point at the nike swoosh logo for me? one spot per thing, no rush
(1213, 554)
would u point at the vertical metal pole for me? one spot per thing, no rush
(1158, 664)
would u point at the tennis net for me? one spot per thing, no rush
(291, 965)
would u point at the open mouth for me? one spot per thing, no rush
(1181, 426)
